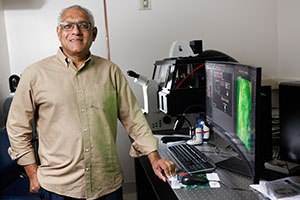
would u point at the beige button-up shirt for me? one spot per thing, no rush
(77, 113)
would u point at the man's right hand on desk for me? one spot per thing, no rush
(161, 166)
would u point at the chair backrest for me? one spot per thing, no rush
(9, 170)
(6, 106)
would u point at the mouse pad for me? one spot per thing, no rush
(176, 181)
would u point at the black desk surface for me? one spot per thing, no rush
(233, 185)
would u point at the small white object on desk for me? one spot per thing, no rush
(212, 176)
(213, 180)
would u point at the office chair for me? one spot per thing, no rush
(13, 83)
(9, 170)
(14, 184)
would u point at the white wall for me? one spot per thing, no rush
(4, 66)
(246, 30)
(289, 39)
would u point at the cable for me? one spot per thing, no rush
(190, 74)
(235, 188)
(191, 106)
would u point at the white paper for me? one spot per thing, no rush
(212, 177)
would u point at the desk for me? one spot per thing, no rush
(149, 187)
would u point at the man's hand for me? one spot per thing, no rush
(31, 171)
(162, 165)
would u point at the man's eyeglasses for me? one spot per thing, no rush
(68, 26)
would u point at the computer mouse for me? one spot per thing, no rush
(190, 179)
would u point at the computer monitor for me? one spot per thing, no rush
(289, 114)
(232, 105)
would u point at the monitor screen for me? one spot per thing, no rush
(231, 106)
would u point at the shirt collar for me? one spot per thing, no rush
(66, 61)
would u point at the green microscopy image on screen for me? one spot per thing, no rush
(244, 111)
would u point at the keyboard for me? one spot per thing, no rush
(190, 158)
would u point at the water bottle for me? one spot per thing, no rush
(197, 139)
(205, 132)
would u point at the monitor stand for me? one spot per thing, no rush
(234, 164)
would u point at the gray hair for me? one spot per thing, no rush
(87, 11)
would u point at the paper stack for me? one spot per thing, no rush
(281, 189)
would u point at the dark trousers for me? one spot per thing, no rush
(46, 195)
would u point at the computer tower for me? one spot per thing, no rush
(289, 115)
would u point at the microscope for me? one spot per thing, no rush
(176, 93)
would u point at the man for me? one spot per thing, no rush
(77, 98)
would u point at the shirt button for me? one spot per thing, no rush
(86, 150)
(87, 169)
(85, 130)
(82, 109)
(79, 91)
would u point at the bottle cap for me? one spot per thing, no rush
(200, 120)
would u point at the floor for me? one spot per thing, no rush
(129, 191)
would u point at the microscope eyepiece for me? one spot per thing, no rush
(132, 74)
